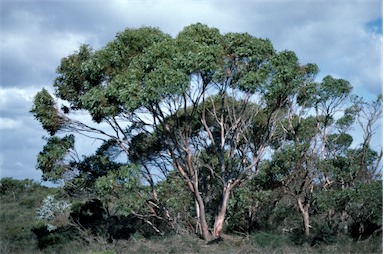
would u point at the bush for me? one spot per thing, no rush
(324, 235)
(271, 240)
(58, 236)
(19, 200)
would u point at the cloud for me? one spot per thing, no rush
(343, 37)
(7, 123)
(36, 35)
(332, 34)
(16, 102)
(20, 134)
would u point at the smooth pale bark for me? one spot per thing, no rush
(304, 210)
(219, 222)
(194, 188)
(344, 217)
(206, 235)
(198, 226)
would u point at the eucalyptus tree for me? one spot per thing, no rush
(368, 115)
(306, 139)
(203, 104)
(357, 174)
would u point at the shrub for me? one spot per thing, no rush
(265, 239)
(52, 238)
(53, 211)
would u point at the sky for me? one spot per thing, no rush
(343, 37)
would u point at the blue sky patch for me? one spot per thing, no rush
(375, 26)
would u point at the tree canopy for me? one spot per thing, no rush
(198, 113)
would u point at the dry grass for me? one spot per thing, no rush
(18, 212)
(236, 245)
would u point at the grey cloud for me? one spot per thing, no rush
(32, 36)
(332, 34)
(16, 102)
(20, 167)
(19, 148)
(21, 138)
(336, 35)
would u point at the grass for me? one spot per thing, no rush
(257, 243)
(17, 216)
(18, 213)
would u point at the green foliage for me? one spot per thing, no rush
(54, 239)
(126, 177)
(176, 198)
(75, 77)
(45, 111)
(339, 142)
(201, 49)
(246, 209)
(22, 233)
(250, 57)
(52, 160)
(296, 129)
(270, 240)
(345, 122)
(332, 89)
(362, 205)
(51, 210)
(366, 202)
(19, 200)
(193, 116)
(144, 146)
(12, 188)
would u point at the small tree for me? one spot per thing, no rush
(53, 211)
(305, 139)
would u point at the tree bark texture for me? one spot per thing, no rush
(304, 210)
(219, 222)
(206, 235)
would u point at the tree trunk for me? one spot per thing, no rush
(198, 226)
(194, 188)
(219, 222)
(206, 235)
(304, 210)
(344, 217)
